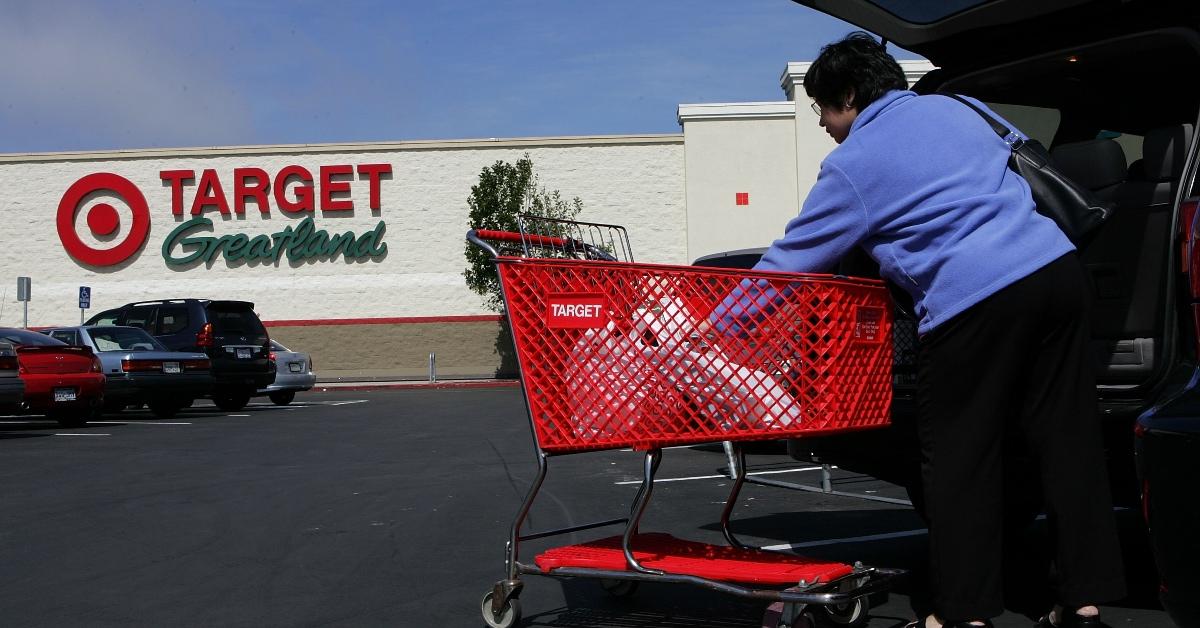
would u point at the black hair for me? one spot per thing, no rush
(857, 63)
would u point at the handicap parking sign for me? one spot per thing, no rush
(85, 297)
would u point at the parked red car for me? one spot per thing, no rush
(63, 382)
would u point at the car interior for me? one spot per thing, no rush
(1118, 117)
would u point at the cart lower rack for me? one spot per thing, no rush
(615, 354)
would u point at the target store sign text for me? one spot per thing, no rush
(293, 188)
(292, 191)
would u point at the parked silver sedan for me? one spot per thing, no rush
(138, 369)
(293, 374)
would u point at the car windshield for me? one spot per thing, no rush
(235, 322)
(123, 339)
(29, 338)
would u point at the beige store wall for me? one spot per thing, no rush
(634, 181)
(381, 351)
(772, 150)
(737, 148)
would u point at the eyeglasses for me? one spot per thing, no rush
(816, 107)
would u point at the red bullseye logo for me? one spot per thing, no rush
(103, 219)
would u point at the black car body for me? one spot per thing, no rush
(228, 332)
(1108, 86)
(12, 388)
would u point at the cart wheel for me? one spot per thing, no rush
(508, 617)
(853, 613)
(788, 615)
(619, 588)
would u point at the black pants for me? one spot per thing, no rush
(1020, 356)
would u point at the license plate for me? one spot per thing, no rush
(64, 394)
(170, 367)
(295, 367)
(244, 354)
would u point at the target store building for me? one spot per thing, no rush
(354, 252)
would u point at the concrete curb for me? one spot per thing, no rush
(416, 384)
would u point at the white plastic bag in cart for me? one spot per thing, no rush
(615, 387)
(724, 390)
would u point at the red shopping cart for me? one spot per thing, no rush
(616, 354)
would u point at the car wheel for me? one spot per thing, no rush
(231, 401)
(283, 397)
(163, 409)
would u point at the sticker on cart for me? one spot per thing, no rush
(868, 323)
(576, 310)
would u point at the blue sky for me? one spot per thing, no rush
(121, 75)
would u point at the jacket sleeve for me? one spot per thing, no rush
(832, 221)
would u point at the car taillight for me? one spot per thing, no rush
(272, 356)
(97, 367)
(196, 365)
(205, 337)
(8, 362)
(140, 366)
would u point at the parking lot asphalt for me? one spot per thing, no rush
(392, 508)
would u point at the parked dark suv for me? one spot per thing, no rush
(229, 332)
(1109, 87)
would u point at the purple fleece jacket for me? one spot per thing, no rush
(922, 183)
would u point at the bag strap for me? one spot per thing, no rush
(1010, 137)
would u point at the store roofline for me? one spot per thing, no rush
(793, 74)
(736, 111)
(349, 147)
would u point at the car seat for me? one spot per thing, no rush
(1127, 261)
(1098, 165)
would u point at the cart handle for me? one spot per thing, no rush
(513, 236)
(480, 238)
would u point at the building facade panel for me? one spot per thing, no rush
(408, 261)
(422, 208)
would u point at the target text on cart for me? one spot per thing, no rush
(576, 310)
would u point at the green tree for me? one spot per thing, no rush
(504, 192)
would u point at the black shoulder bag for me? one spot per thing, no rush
(1075, 209)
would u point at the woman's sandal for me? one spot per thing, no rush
(920, 623)
(1072, 620)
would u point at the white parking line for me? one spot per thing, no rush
(874, 537)
(65, 434)
(850, 539)
(723, 477)
(309, 404)
(237, 415)
(664, 448)
(138, 423)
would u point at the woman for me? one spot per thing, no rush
(922, 184)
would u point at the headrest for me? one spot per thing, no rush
(1137, 170)
(1094, 164)
(1164, 150)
